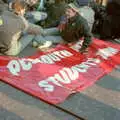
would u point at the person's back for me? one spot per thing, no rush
(12, 26)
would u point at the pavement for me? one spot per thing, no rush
(98, 102)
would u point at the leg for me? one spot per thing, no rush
(51, 36)
(46, 41)
(51, 31)
(43, 39)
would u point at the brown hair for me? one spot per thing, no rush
(18, 5)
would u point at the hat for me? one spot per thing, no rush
(74, 6)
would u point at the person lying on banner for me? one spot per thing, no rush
(75, 27)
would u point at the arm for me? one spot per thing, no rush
(87, 36)
(86, 43)
(32, 28)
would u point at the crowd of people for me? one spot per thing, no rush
(54, 22)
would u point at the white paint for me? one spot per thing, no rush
(67, 75)
(14, 67)
(82, 68)
(54, 57)
(73, 74)
(47, 87)
(46, 59)
(107, 52)
(26, 65)
(53, 80)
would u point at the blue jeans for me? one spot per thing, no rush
(50, 34)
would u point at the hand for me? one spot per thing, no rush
(61, 27)
(83, 51)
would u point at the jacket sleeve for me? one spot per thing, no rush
(35, 29)
(32, 28)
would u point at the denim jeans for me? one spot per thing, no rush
(50, 34)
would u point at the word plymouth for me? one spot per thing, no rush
(15, 66)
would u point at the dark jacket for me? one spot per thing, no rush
(55, 11)
(76, 28)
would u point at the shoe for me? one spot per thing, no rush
(47, 44)
(35, 44)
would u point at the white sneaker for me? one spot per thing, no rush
(35, 44)
(47, 44)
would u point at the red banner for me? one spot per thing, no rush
(54, 75)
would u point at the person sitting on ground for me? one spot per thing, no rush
(56, 11)
(75, 27)
(12, 25)
(70, 30)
